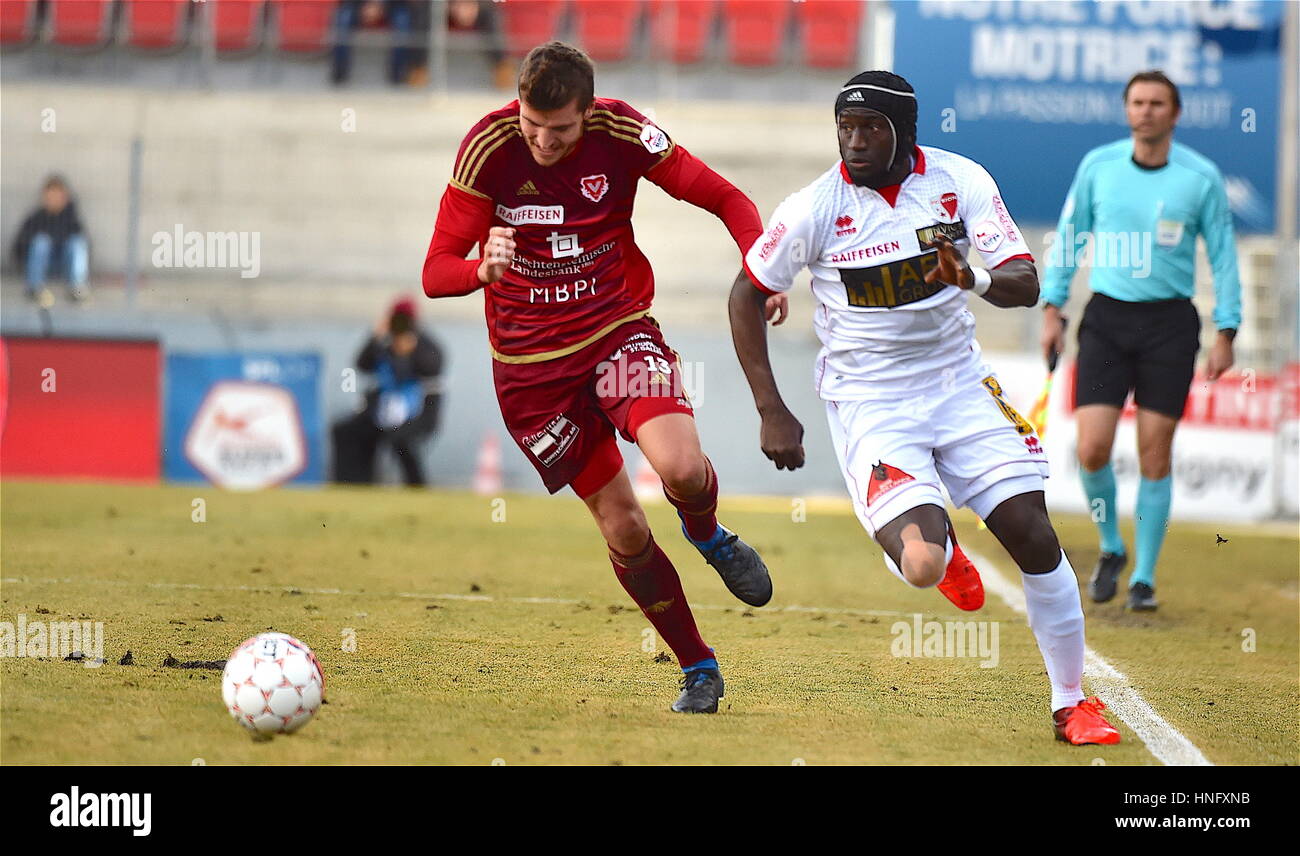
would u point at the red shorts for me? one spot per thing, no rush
(563, 412)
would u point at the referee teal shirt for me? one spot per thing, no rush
(1142, 225)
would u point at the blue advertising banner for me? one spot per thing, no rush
(244, 421)
(1027, 88)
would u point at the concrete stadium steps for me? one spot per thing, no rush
(345, 206)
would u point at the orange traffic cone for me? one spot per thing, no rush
(487, 471)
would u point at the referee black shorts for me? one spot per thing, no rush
(1149, 348)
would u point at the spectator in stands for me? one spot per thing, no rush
(398, 16)
(403, 405)
(53, 241)
(478, 17)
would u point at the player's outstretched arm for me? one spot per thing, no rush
(781, 436)
(1015, 283)
(684, 176)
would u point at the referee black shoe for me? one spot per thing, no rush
(701, 690)
(1142, 598)
(1105, 576)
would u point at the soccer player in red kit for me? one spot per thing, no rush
(545, 186)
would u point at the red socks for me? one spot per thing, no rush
(699, 512)
(650, 578)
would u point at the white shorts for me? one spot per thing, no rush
(896, 453)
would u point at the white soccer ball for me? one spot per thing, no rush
(273, 684)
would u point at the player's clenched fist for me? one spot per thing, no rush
(782, 439)
(952, 268)
(498, 253)
(777, 308)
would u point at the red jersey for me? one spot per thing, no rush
(577, 272)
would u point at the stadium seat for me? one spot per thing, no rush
(682, 29)
(156, 24)
(80, 23)
(528, 24)
(829, 32)
(755, 30)
(17, 21)
(237, 24)
(607, 28)
(304, 26)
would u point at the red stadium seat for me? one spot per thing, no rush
(528, 23)
(829, 32)
(237, 24)
(155, 24)
(682, 29)
(80, 23)
(607, 28)
(17, 21)
(304, 26)
(755, 30)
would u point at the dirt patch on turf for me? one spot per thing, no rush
(172, 663)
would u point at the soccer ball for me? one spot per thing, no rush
(272, 684)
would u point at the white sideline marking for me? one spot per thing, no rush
(415, 595)
(1109, 684)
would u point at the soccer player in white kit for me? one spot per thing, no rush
(910, 404)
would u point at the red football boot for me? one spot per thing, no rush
(1084, 723)
(961, 583)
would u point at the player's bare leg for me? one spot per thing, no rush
(671, 444)
(1096, 436)
(1155, 438)
(1055, 613)
(921, 548)
(651, 580)
(619, 516)
(914, 542)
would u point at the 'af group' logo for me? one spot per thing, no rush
(594, 187)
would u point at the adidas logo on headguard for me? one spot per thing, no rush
(853, 96)
(527, 189)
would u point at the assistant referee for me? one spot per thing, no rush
(1140, 203)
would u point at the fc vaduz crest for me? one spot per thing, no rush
(945, 207)
(594, 187)
(884, 478)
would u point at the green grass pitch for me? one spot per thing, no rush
(479, 639)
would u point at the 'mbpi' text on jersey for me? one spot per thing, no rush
(562, 293)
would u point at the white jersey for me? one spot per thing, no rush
(884, 329)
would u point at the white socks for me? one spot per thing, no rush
(1056, 617)
(896, 571)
